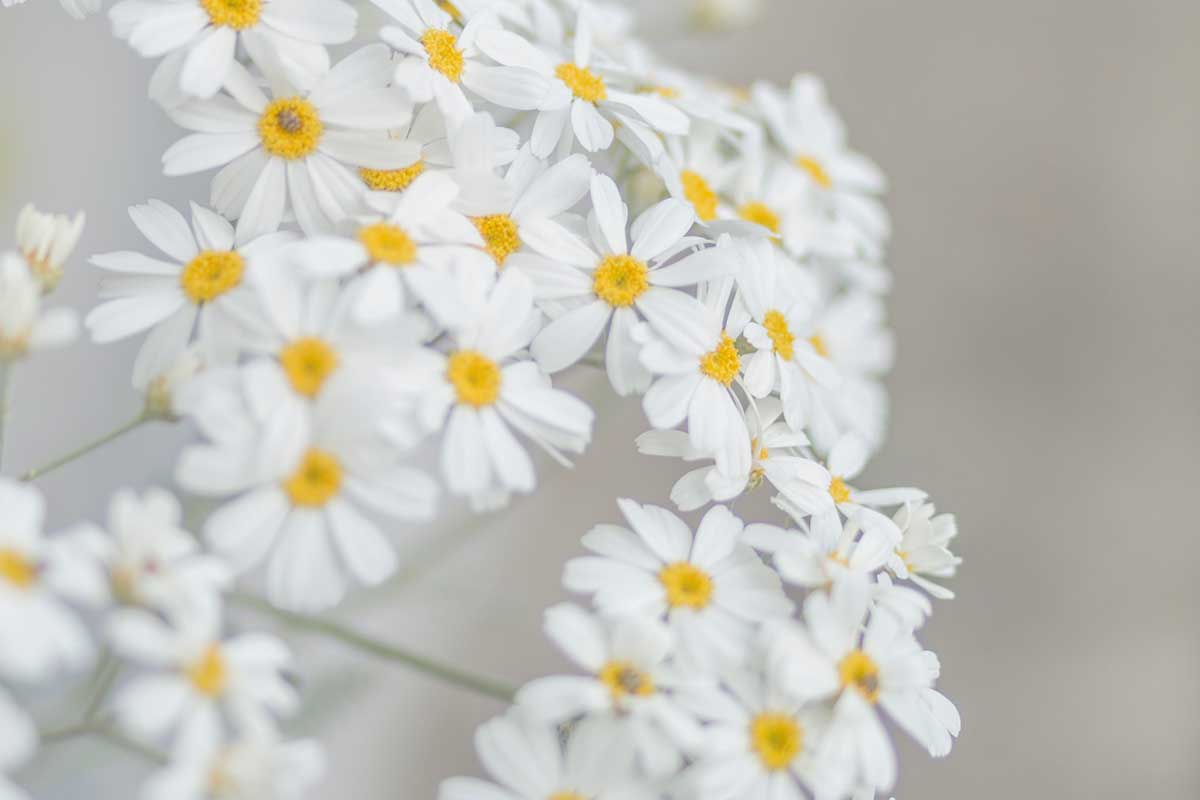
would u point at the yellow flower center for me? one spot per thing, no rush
(316, 481)
(625, 679)
(208, 675)
(583, 83)
(723, 363)
(500, 236)
(781, 338)
(307, 362)
(619, 280)
(451, 9)
(391, 180)
(839, 491)
(859, 671)
(815, 170)
(236, 14)
(760, 214)
(818, 344)
(211, 274)
(17, 569)
(777, 739)
(686, 585)
(388, 244)
(475, 378)
(290, 128)
(444, 55)
(700, 194)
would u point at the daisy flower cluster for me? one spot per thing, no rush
(412, 229)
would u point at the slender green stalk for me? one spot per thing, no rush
(133, 424)
(104, 730)
(106, 676)
(388, 652)
(6, 384)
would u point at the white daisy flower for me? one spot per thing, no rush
(437, 64)
(258, 764)
(823, 550)
(528, 762)
(46, 241)
(42, 636)
(201, 288)
(863, 665)
(200, 37)
(924, 548)
(607, 279)
(484, 388)
(25, 327)
(159, 383)
(294, 150)
(789, 356)
(696, 170)
(763, 742)
(304, 473)
(198, 683)
(150, 560)
(630, 678)
(407, 247)
(711, 588)
(581, 105)
(774, 457)
(814, 139)
(18, 743)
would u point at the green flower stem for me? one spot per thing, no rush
(6, 374)
(132, 425)
(102, 729)
(358, 641)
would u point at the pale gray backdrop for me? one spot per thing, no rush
(1046, 175)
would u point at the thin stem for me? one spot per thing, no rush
(105, 678)
(6, 386)
(104, 730)
(133, 424)
(388, 652)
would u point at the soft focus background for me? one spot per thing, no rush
(1046, 176)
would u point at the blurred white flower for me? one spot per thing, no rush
(25, 327)
(46, 241)
(18, 743)
(257, 765)
(924, 548)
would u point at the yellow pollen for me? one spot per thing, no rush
(815, 170)
(208, 675)
(839, 491)
(316, 481)
(781, 338)
(500, 236)
(818, 344)
(444, 55)
(290, 128)
(760, 214)
(625, 679)
(211, 274)
(236, 14)
(308, 362)
(17, 569)
(700, 194)
(583, 83)
(391, 180)
(388, 244)
(777, 739)
(451, 9)
(475, 378)
(619, 280)
(566, 796)
(859, 671)
(686, 585)
(723, 363)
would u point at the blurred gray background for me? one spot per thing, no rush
(1046, 178)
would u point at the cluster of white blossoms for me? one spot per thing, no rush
(413, 228)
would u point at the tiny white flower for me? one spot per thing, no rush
(711, 587)
(25, 327)
(924, 548)
(608, 279)
(163, 376)
(631, 679)
(483, 390)
(203, 288)
(527, 762)
(257, 765)
(438, 64)
(197, 683)
(295, 149)
(46, 241)
(42, 635)
(823, 550)
(200, 37)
